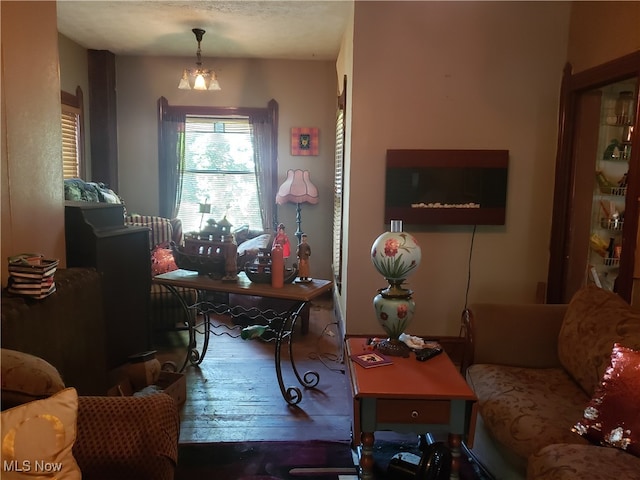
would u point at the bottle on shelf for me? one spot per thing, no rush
(625, 107)
(611, 248)
(627, 133)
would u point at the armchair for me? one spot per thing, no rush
(115, 437)
(165, 309)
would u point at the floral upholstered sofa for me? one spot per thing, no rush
(558, 388)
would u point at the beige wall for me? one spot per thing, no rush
(455, 75)
(306, 94)
(74, 74)
(32, 194)
(602, 31)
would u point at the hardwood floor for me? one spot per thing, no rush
(233, 396)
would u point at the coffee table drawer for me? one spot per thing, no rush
(413, 411)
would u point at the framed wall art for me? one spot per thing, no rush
(304, 141)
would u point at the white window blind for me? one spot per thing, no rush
(70, 141)
(337, 199)
(220, 170)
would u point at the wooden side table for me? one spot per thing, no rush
(409, 396)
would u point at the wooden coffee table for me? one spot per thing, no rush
(409, 397)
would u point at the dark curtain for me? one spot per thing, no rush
(171, 149)
(171, 146)
(265, 142)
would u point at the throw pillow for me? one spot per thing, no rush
(255, 244)
(26, 377)
(594, 321)
(162, 261)
(241, 234)
(612, 417)
(38, 437)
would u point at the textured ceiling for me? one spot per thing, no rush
(290, 29)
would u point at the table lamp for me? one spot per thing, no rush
(297, 188)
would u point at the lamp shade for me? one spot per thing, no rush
(297, 188)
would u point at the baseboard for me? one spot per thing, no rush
(337, 313)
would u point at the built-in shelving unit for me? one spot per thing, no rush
(597, 182)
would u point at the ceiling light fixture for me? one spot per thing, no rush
(198, 78)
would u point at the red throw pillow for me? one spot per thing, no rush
(612, 417)
(162, 261)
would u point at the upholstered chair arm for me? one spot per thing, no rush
(127, 437)
(160, 228)
(524, 335)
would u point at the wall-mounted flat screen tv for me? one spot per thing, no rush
(446, 187)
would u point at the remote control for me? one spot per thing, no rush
(427, 353)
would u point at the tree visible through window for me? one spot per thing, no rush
(219, 169)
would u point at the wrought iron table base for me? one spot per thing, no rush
(282, 324)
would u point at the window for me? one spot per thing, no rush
(339, 186)
(230, 148)
(219, 169)
(72, 134)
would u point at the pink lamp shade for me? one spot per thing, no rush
(297, 188)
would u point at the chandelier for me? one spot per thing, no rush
(198, 78)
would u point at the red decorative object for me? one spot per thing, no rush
(612, 417)
(304, 141)
(162, 261)
(277, 267)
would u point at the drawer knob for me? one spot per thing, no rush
(414, 414)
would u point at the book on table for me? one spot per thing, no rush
(370, 359)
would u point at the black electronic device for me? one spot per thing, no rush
(425, 354)
(433, 464)
(447, 187)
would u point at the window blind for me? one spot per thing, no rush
(337, 200)
(70, 119)
(219, 169)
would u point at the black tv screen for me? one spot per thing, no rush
(446, 187)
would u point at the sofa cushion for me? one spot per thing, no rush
(162, 261)
(526, 409)
(40, 435)
(595, 320)
(612, 417)
(571, 462)
(26, 378)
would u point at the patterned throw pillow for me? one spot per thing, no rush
(595, 320)
(162, 261)
(612, 417)
(38, 437)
